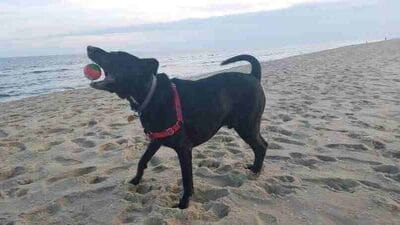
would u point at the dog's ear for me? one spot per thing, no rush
(150, 65)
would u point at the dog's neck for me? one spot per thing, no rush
(160, 112)
(139, 105)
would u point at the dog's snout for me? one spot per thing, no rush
(95, 52)
(90, 49)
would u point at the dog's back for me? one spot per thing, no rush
(225, 99)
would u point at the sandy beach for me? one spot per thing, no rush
(332, 120)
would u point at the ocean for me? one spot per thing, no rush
(22, 77)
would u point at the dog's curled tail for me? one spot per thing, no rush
(255, 64)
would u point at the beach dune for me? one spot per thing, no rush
(332, 120)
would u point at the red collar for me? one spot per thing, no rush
(179, 119)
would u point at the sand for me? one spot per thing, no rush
(332, 120)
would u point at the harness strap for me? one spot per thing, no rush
(179, 117)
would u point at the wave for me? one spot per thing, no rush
(49, 71)
(4, 95)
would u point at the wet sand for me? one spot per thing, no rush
(332, 120)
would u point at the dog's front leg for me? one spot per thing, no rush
(185, 160)
(148, 154)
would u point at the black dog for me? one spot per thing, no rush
(231, 99)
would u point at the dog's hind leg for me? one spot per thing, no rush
(252, 136)
(142, 165)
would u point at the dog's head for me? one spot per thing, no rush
(125, 74)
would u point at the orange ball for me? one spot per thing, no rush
(92, 71)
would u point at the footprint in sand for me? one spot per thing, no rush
(355, 160)
(390, 154)
(210, 163)
(217, 154)
(209, 194)
(232, 178)
(91, 193)
(117, 169)
(108, 147)
(326, 158)
(89, 134)
(305, 162)
(274, 146)
(3, 134)
(105, 134)
(159, 168)
(234, 150)
(143, 188)
(43, 212)
(300, 158)
(66, 161)
(224, 169)
(390, 169)
(54, 143)
(335, 184)
(370, 184)
(97, 180)
(277, 157)
(376, 144)
(16, 192)
(59, 130)
(117, 125)
(348, 147)
(266, 218)
(155, 161)
(154, 220)
(6, 221)
(285, 118)
(84, 143)
(279, 130)
(386, 203)
(223, 138)
(91, 123)
(280, 189)
(395, 177)
(297, 155)
(286, 178)
(73, 173)
(219, 209)
(8, 173)
(13, 146)
(122, 141)
(288, 141)
(25, 180)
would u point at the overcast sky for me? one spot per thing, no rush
(41, 27)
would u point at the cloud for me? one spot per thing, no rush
(41, 18)
(56, 27)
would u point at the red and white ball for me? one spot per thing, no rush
(92, 71)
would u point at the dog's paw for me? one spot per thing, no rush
(254, 169)
(135, 181)
(183, 203)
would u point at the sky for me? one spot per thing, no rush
(43, 27)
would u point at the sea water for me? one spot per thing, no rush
(22, 77)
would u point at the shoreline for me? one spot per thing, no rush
(199, 76)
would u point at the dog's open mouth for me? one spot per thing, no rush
(107, 84)
(99, 57)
